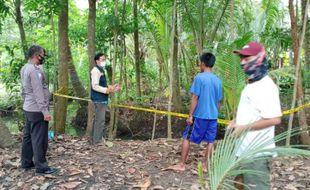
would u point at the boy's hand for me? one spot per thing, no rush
(189, 120)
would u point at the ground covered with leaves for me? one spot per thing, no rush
(128, 165)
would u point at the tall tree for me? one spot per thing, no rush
(54, 54)
(81, 118)
(114, 111)
(176, 96)
(91, 35)
(123, 68)
(307, 36)
(298, 87)
(64, 58)
(136, 44)
(20, 23)
(173, 59)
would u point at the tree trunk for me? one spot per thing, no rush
(114, 111)
(91, 36)
(307, 40)
(307, 52)
(176, 96)
(54, 54)
(302, 116)
(202, 23)
(172, 71)
(81, 117)
(64, 58)
(20, 23)
(6, 139)
(125, 69)
(123, 75)
(136, 44)
(77, 85)
(298, 88)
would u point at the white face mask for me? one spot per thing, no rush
(103, 64)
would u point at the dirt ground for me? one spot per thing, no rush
(128, 165)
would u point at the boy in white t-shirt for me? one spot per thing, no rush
(259, 110)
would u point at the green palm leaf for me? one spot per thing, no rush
(228, 69)
(223, 166)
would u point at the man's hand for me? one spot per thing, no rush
(47, 117)
(110, 89)
(189, 120)
(113, 88)
(116, 87)
(238, 129)
(232, 124)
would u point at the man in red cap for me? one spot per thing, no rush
(259, 110)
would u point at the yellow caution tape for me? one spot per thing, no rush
(71, 97)
(287, 112)
(221, 121)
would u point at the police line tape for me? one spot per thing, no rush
(221, 121)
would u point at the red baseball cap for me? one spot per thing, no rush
(252, 48)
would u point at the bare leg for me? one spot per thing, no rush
(208, 153)
(185, 149)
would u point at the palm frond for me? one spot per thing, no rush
(223, 166)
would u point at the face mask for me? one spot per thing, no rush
(249, 68)
(103, 64)
(41, 61)
(254, 70)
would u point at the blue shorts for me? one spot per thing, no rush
(201, 130)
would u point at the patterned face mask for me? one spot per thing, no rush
(257, 68)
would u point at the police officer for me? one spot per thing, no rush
(35, 96)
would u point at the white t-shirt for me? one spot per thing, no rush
(258, 100)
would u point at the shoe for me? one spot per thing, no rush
(27, 168)
(46, 172)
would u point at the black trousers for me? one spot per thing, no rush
(35, 141)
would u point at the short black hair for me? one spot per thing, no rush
(34, 49)
(98, 55)
(208, 59)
